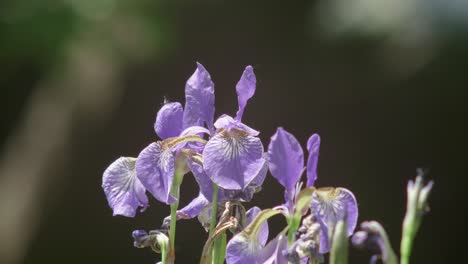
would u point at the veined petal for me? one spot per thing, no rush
(199, 99)
(330, 205)
(194, 208)
(245, 89)
(245, 247)
(240, 250)
(226, 122)
(247, 193)
(263, 232)
(155, 169)
(313, 147)
(286, 159)
(123, 190)
(169, 120)
(233, 159)
(273, 252)
(204, 182)
(194, 130)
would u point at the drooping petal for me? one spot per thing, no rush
(123, 190)
(155, 169)
(248, 192)
(313, 147)
(245, 247)
(286, 159)
(263, 232)
(194, 208)
(169, 120)
(273, 252)
(233, 159)
(240, 250)
(245, 89)
(226, 122)
(199, 99)
(204, 182)
(330, 205)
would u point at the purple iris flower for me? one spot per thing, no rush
(156, 164)
(126, 180)
(234, 156)
(329, 205)
(250, 247)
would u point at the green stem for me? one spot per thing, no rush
(163, 253)
(175, 190)
(219, 249)
(410, 226)
(214, 208)
(293, 224)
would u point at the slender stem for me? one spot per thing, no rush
(293, 224)
(163, 253)
(410, 225)
(219, 249)
(175, 191)
(214, 208)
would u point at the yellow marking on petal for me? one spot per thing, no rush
(328, 193)
(233, 133)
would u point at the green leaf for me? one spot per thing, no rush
(303, 200)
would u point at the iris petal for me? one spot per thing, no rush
(204, 182)
(194, 208)
(273, 252)
(330, 205)
(240, 250)
(313, 146)
(233, 159)
(226, 122)
(245, 89)
(155, 169)
(263, 232)
(248, 192)
(169, 120)
(199, 99)
(286, 159)
(123, 190)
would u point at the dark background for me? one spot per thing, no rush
(385, 100)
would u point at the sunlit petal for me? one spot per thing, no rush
(155, 169)
(169, 120)
(233, 159)
(313, 147)
(123, 189)
(199, 99)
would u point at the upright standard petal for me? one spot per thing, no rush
(264, 230)
(155, 169)
(313, 147)
(123, 190)
(226, 122)
(199, 99)
(169, 120)
(245, 89)
(330, 205)
(286, 159)
(232, 159)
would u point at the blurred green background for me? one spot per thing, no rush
(383, 82)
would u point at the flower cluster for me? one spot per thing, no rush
(228, 161)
